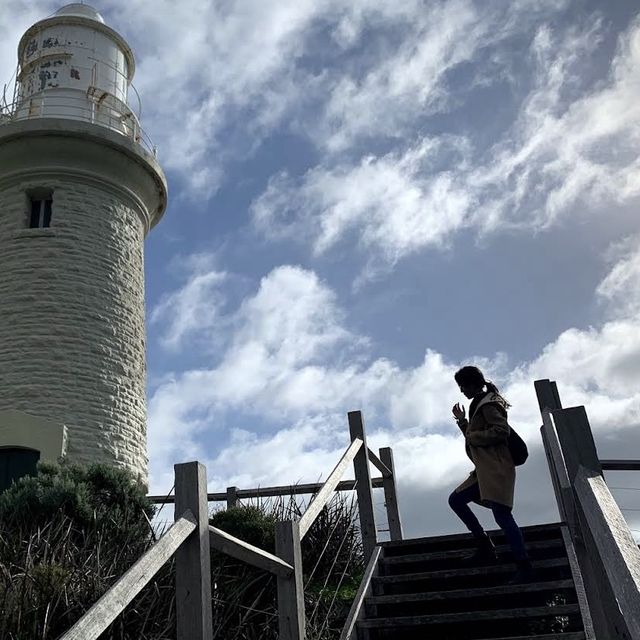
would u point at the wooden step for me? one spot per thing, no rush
(541, 545)
(576, 635)
(462, 594)
(570, 635)
(486, 598)
(458, 541)
(527, 613)
(443, 574)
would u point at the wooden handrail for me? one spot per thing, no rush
(382, 467)
(323, 496)
(357, 606)
(614, 543)
(241, 550)
(564, 491)
(113, 602)
(620, 465)
(269, 492)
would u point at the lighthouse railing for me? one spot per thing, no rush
(96, 107)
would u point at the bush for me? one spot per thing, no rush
(65, 536)
(68, 534)
(95, 496)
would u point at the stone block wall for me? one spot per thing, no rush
(72, 334)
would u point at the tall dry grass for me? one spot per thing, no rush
(68, 535)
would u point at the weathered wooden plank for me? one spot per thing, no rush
(363, 486)
(323, 496)
(471, 616)
(391, 495)
(581, 594)
(458, 554)
(357, 610)
(576, 440)
(291, 619)
(232, 497)
(443, 574)
(620, 465)
(618, 551)
(270, 492)
(379, 464)
(558, 471)
(474, 593)
(547, 394)
(114, 601)
(241, 550)
(548, 401)
(193, 559)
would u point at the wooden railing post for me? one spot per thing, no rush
(391, 495)
(291, 618)
(363, 485)
(193, 562)
(548, 401)
(579, 454)
(232, 497)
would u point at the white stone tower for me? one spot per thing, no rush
(80, 188)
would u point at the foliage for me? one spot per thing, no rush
(65, 536)
(245, 598)
(68, 534)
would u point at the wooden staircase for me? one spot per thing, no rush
(422, 590)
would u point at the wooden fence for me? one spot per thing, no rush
(605, 551)
(191, 538)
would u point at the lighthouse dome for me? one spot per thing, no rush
(80, 10)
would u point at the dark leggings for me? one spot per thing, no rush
(459, 502)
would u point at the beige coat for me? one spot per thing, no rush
(486, 444)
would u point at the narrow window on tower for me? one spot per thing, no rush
(40, 210)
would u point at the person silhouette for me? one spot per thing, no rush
(491, 483)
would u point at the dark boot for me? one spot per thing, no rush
(524, 572)
(485, 552)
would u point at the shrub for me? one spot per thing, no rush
(68, 534)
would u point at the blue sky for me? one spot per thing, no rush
(365, 196)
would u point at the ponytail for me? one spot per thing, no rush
(490, 386)
(493, 389)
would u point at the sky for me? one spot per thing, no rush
(366, 195)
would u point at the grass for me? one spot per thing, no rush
(69, 534)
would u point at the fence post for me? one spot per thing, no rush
(578, 449)
(232, 497)
(291, 619)
(193, 562)
(548, 401)
(391, 495)
(363, 485)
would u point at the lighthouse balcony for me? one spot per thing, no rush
(95, 106)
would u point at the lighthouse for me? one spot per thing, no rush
(80, 188)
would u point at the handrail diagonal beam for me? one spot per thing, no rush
(114, 601)
(618, 551)
(358, 601)
(241, 550)
(382, 467)
(323, 496)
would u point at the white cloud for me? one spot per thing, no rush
(620, 289)
(285, 365)
(394, 203)
(194, 308)
(572, 148)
